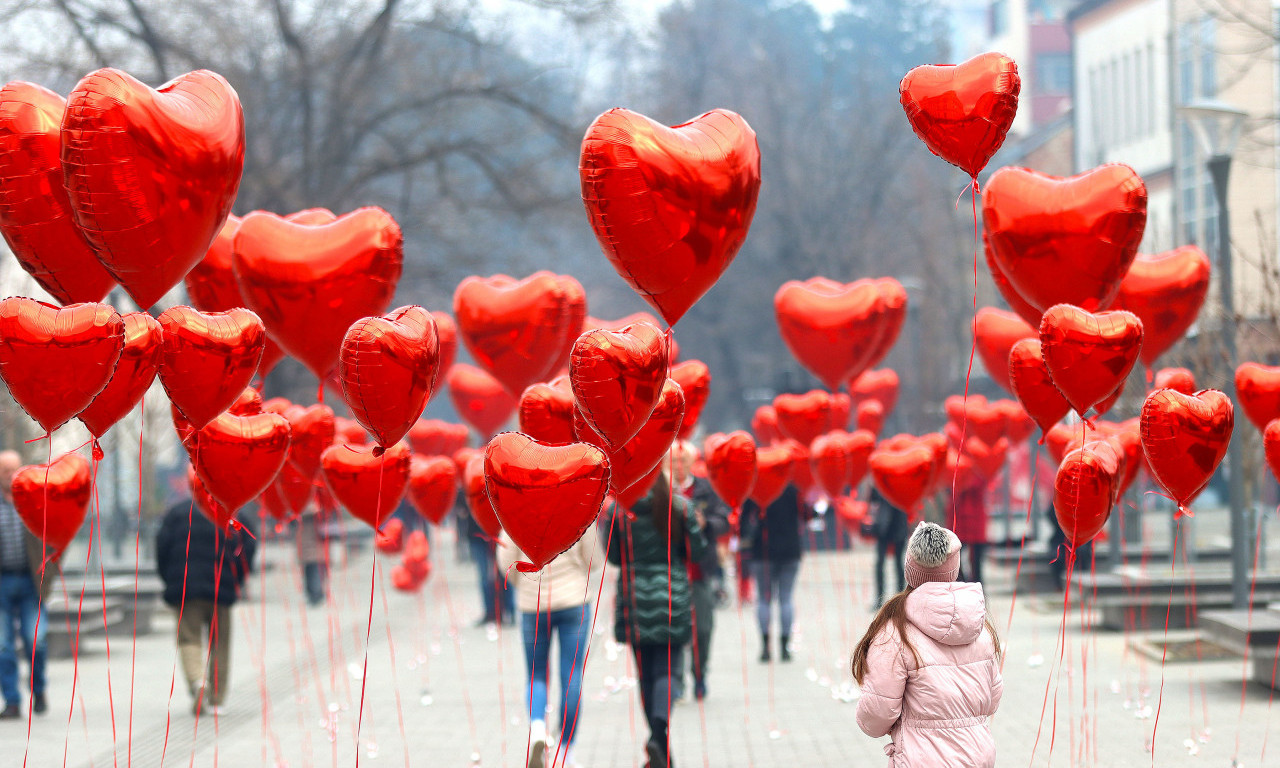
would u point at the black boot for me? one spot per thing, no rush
(656, 749)
(786, 652)
(765, 656)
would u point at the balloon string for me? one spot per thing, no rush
(368, 630)
(137, 557)
(218, 544)
(696, 662)
(391, 650)
(182, 601)
(1274, 663)
(75, 651)
(566, 739)
(743, 584)
(102, 575)
(44, 562)
(595, 612)
(671, 497)
(1033, 457)
(1193, 674)
(973, 348)
(462, 670)
(1164, 654)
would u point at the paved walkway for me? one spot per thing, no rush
(456, 692)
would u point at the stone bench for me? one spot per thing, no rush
(1147, 612)
(1255, 637)
(1155, 585)
(65, 619)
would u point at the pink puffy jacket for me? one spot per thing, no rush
(937, 710)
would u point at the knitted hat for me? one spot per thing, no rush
(933, 554)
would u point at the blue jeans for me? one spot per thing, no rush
(19, 609)
(573, 626)
(493, 586)
(776, 581)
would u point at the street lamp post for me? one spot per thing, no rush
(1217, 129)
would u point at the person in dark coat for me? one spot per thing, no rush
(773, 544)
(203, 570)
(27, 573)
(890, 527)
(654, 613)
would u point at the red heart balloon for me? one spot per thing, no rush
(840, 459)
(56, 361)
(1166, 292)
(248, 403)
(390, 540)
(1019, 305)
(1033, 387)
(1271, 446)
(694, 378)
(388, 366)
(1065, 241)
(995, 333)
(288, 494)
(52, 499)
(1258, 389)
(961, 475)
(1175, 378)
(617, 378)
(368, 485)
(479, 399)
(988, 458)
(545, 496)
(208, 506)
(477, 496)
(237, 457)
(871, 416)
(638, 457)
(1085, 489)
(151, 174)
(432, 437)
(310, 281)
(731, 466)
(208, 359)
(833, 329)
(773, 472)
(595, 323)
(546, 412)
(433, 486)
(977, 417)
(35, 214)
(1089, 355)
(764, 424)
(1126, 438)
(139, 361)
(348, 432)
(1062, 438)
(851, 513)
(312, 429)
(803, 417)
(904, 476)
(670, 206)
(211, 286)
(881, 385)
(1185, 438)
(516, 330)
(801, 472)
(963, 111)
(447, 333)
(1018, 424)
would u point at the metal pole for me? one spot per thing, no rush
(1220, 170)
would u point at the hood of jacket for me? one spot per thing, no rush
(952, 613)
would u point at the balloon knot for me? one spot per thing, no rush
(378, 451)
(98, 455)
(1182, 512)
(524, 567)
(45, 436)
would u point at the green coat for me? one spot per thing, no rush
(644, 616)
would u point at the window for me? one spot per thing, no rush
(1197, 78)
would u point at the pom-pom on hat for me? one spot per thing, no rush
(933, 554)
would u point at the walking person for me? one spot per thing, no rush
(654, 613)
(313, 554)
(929, 664)
(554, 601)
(774, 548)
(970, 523)
(25, 583)
(890, 528)
(203, 569)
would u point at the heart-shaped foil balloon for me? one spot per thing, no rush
(851, 513)
(35, 214)
(731, 466)
(52, 500)
(56, 361)
(369, 485)
(670, 206)
(248, 403)
(433, 486)
(774, 468)
(288, 494)
(870, 416)
(640, 455)
(1271, 447)
(432, 437)
(139, 361)
(388, 367)
(390, 539)
(1065, 241)
(962, 112)
(832, 328)
(1033, 387)
(801, 472)
(1166, 292)
(1089, 355)
(1019, 305)
(694, 378)
(1174, 378)
(208, 506)
(312, 429)
(881, 385)
(479, 399)
(545, 496)
(988, 458)
(447, 333)
(803, 417)
(976, 416)
(212, 287)
(151, 174)
(840, 459)
(310, 281)
(546, 412)
(904, 475)
(594, 323)
(477, 496)
(995, 332)
(1018, 424)
(1084, 490)
(617, 379)
(1258, 389)
(517, 329)
(237, 457)
(1184, 438)
(208, 359)
(842, 409)
(764, 425)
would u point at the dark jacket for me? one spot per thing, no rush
(776, 536)
(888, 523)
(200, 559)
(716, 524)
(643, 615)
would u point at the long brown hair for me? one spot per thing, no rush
(895, 611)
(664, 514)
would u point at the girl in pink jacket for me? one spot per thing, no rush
(929, 664)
